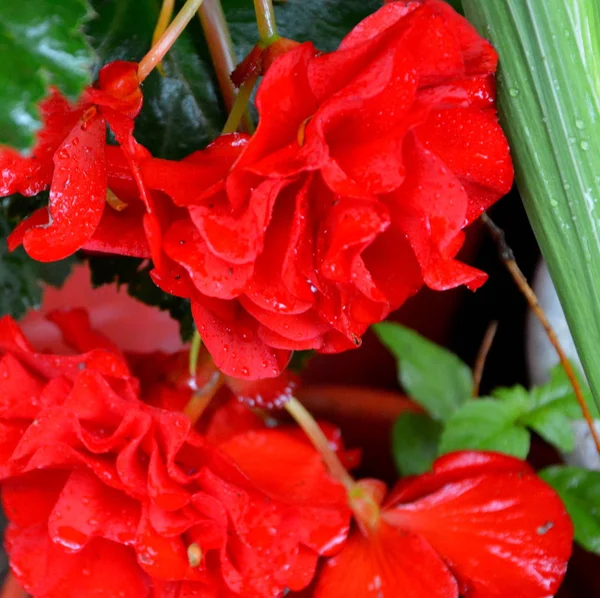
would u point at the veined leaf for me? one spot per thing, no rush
(41, 44)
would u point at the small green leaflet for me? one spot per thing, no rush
(42, 45)
(415, 439)
(432, 376)
(487, 424)
(579, 489)
(502, 422)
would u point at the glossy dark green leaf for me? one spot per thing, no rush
(41, 44)
(324, 22)
(415, 439)
(182, 111)
(432, 376)
(580, 491)
(487, 424)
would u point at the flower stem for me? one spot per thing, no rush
(195, 353)
(311, 428)
(220, 46)
(168, 38)
(201, 398)
(240, 105)
(265, 20)
(12, 589)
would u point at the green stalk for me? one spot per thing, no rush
(549, 103)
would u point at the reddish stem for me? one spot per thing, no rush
(168, 38)
(12, 589)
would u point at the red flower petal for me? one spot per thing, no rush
(29, 499)
(290, 470)
(234, 343)
(211, 275)
(102, 569)
(502, 534)
(87, 508)
(385, 564)
(470, 142)
(31, 175)
(77, 195)
(77, 330)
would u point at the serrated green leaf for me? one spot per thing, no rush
(41, 45)
(487, 424)
(549, 103)
(432, 376)
(579, 489)
(549, 409)
(415, 439)
(554, 427)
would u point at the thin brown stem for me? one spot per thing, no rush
(168, 38)
(222, 52)
(507, 256)
(484, 349)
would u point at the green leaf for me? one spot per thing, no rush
(549, 101)
(579, 489)
(432, 376)
(487, 424)
(415, 439)
(41, 45)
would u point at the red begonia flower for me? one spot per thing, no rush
(352, 194)
(481, 525)
(71, 159)
(108, 495)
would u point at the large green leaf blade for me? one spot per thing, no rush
(549, 101)
(41, 44)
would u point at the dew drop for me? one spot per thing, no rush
(580, 124)
(553, 203)
(585, 146)
(513, 92)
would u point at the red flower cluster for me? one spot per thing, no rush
(108, 496)
(481, 525)
(72, 159)
(351, 196)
